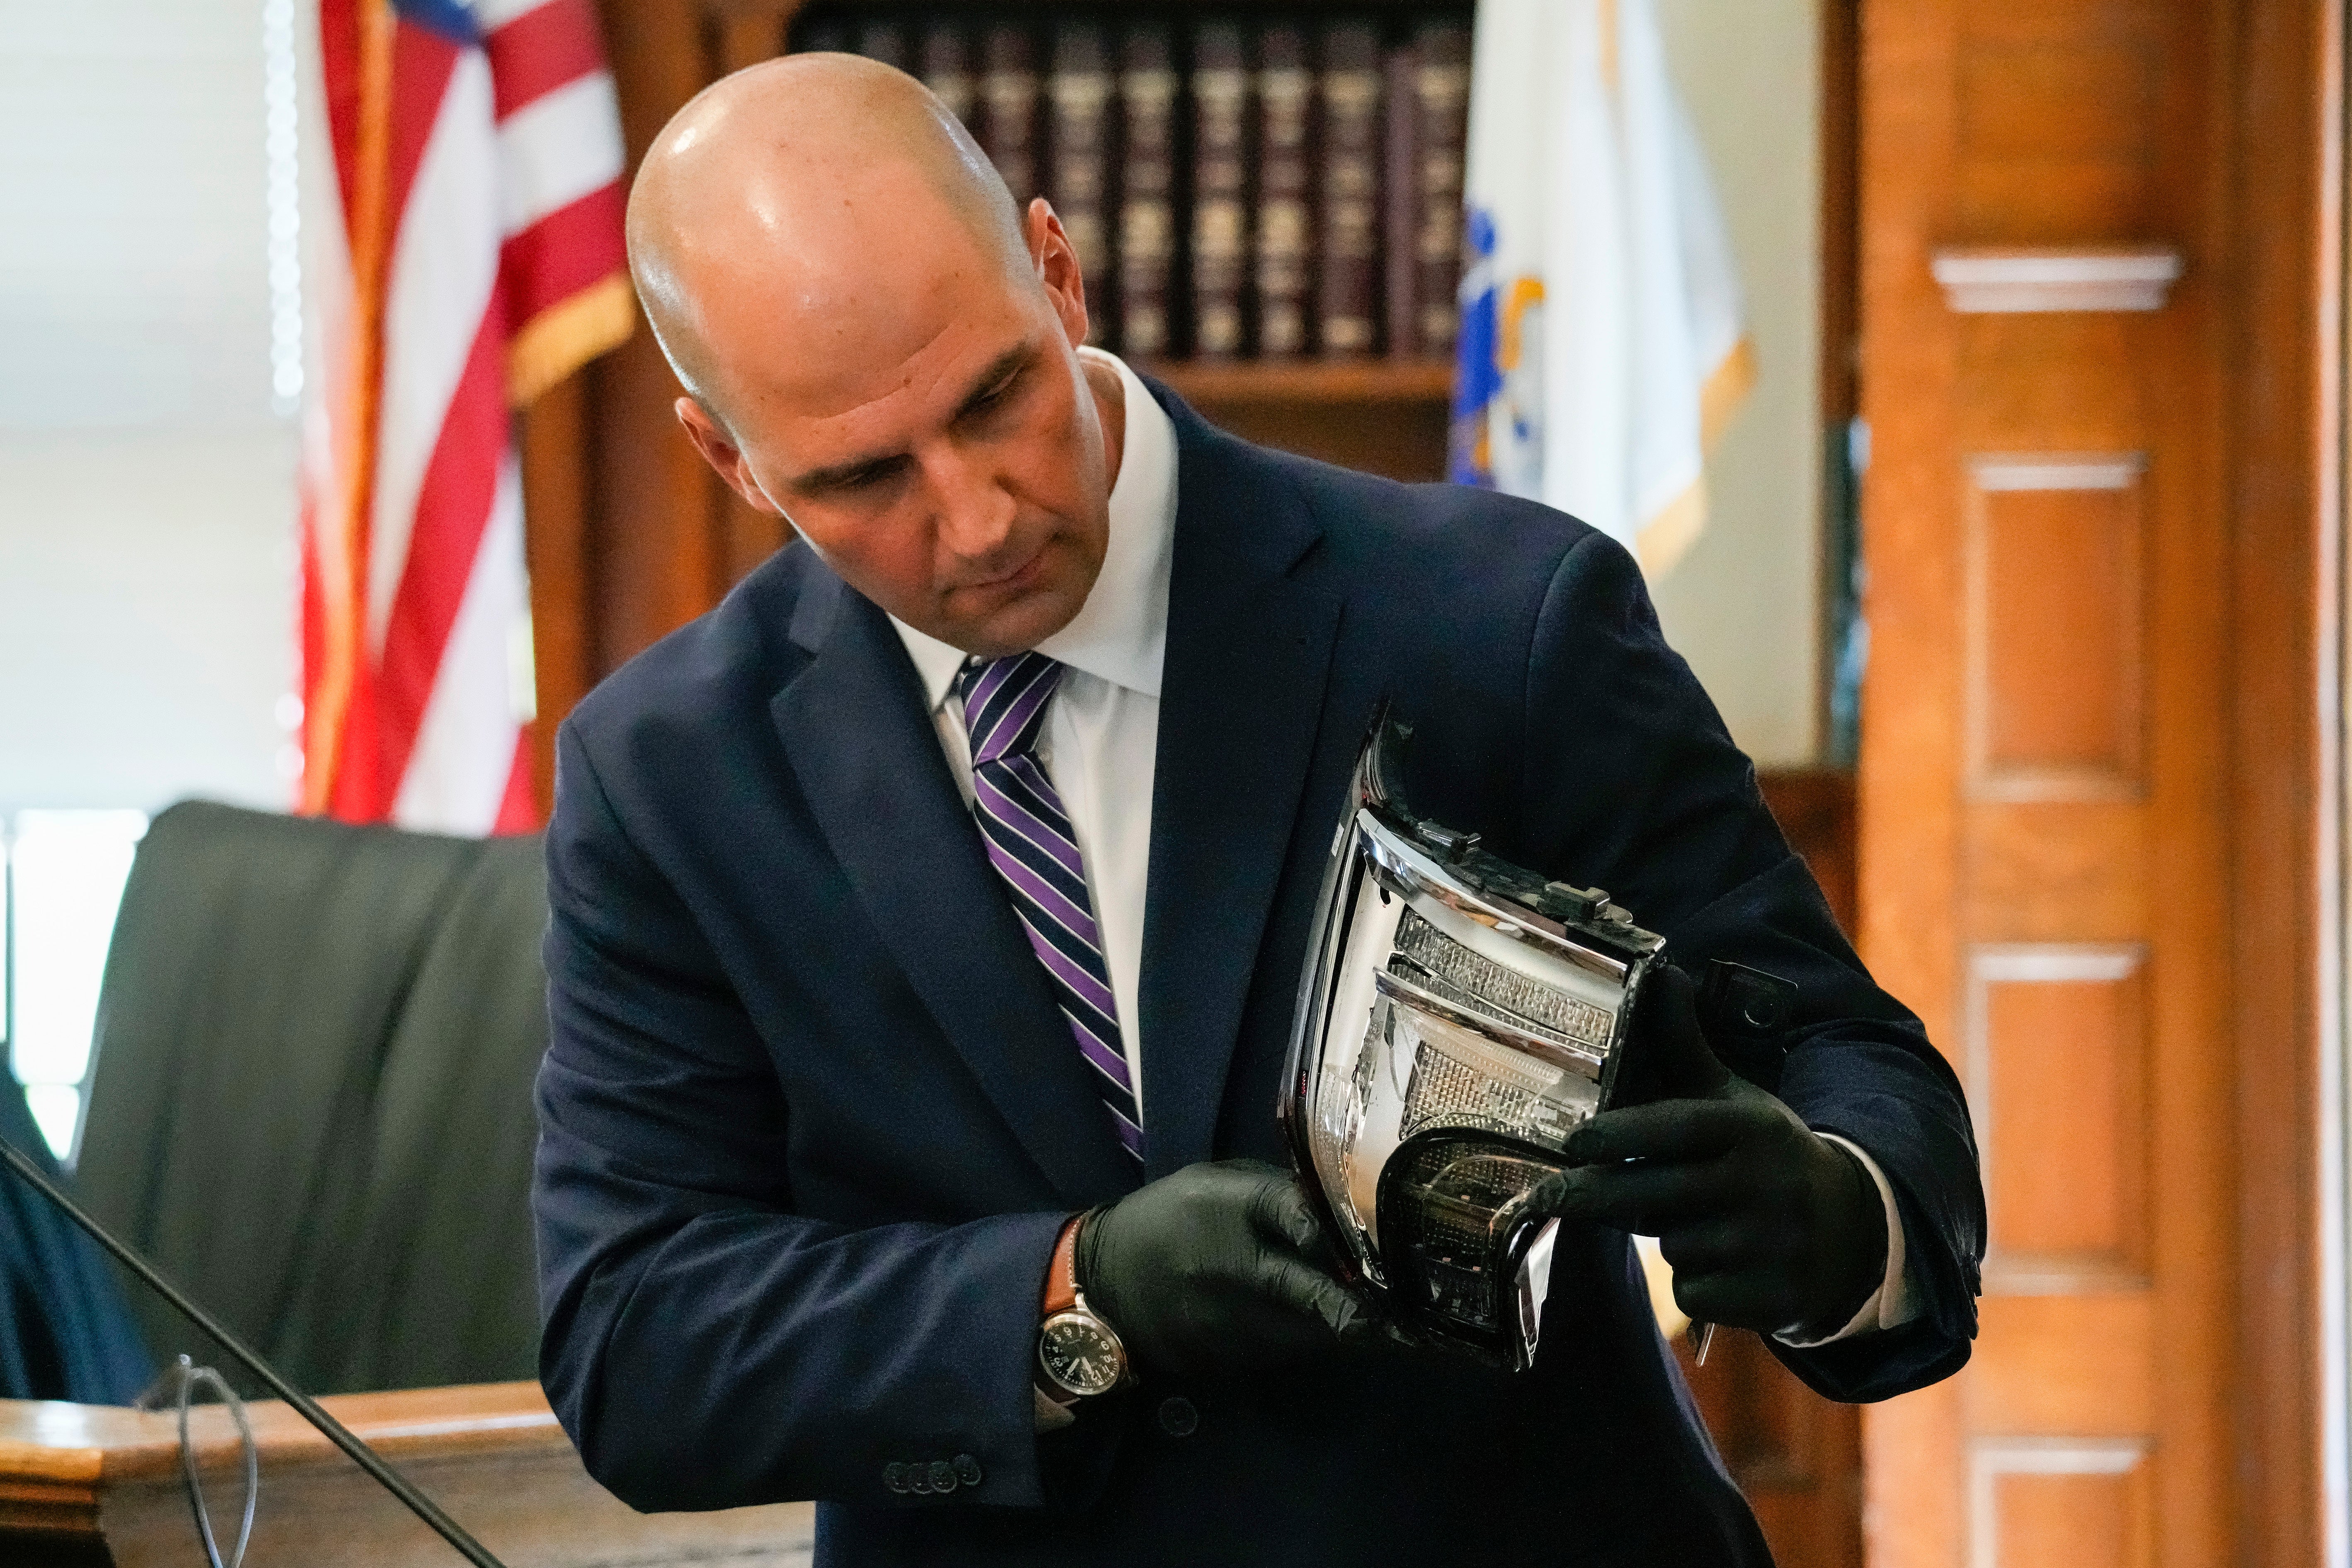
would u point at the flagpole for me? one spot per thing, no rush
(326, 719)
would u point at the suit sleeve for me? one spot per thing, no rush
(705, 1346)
(1633, 784)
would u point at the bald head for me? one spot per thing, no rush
(880, 348)
(796, 183)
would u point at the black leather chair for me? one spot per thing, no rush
(311, 1104)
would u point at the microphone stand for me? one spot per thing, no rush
(341, 1435)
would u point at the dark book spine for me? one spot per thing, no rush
(884, 41)
(947, 68)
(1008, 90)
(1284, 91)
(1399, 204)
(1442, 85)
(1220, 188)
(1147, 213)
(1079, 148)
(1347, 230)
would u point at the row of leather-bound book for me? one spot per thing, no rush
(1275, 187)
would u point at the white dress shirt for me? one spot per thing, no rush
(1102, 738)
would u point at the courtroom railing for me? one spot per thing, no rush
(84, 1486)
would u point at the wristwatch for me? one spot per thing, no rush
(1078, 1355)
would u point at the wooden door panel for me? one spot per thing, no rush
(2086, 1505)
(2056, 1052)
(2055, 628)
(2043, 777)
(2058, 693)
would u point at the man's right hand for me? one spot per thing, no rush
(1219, 1269)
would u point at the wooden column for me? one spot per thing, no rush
(2284, 329)
(656, 511)
(558, 541)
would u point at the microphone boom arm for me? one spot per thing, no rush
(424, 1507)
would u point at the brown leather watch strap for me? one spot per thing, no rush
(1062, 1273)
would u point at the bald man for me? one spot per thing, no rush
(928, 918)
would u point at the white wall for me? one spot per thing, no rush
(146, 615)
(146, 487)
(1743, 604)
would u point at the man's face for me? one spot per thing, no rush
(930, 434)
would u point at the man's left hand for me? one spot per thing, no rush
(1769, 1225)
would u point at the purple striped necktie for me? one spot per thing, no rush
(1032, 847)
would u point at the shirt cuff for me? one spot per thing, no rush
(1891, 1305)
(1050, 1416)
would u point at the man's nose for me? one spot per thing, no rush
(975, 512)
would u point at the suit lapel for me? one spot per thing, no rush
(855, 731)
(1250, 631)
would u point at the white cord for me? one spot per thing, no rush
(178, 1385)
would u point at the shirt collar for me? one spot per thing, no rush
(1120, 634)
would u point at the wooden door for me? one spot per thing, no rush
(2054, 794)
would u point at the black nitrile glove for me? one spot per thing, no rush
(1769, 1225)
(1216, 1269)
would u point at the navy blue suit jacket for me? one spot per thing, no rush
(811, 1121)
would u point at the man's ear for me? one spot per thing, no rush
(1057, 260)
(719, 450)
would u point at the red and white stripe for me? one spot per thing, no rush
(501, 173)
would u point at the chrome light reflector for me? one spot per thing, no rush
(1459, 1017)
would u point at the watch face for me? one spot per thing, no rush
(1081, 1355)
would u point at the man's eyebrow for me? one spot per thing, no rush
(1000, 370)
(839, 473)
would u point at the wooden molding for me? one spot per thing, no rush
(2057, 471)
(2116, 1462)
(1307, 381)
(2007, 279)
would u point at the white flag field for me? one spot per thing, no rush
(1603, 333)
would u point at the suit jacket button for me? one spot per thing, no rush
(918, 1478)
(1178, 1417)
(967, 1469)
(943, 1476)
(894, 1476)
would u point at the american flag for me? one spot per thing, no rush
(476, 262)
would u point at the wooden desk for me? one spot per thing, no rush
(90, 1485)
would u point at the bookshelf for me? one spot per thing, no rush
(1259, 195)
(1409, 384)
(630, 536)
(1383, 417)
